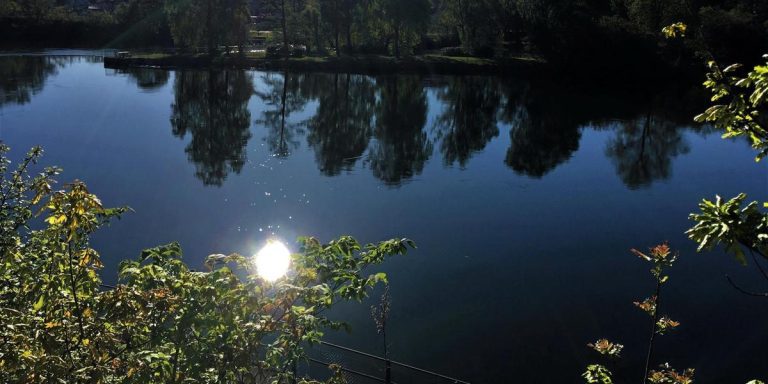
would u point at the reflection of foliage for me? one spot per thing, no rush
(401, 147)
(547, 119)
(21, 77)
(643, 150)
(544, 131)
(341, 128)
(213, 107)
(163, 322)
(469, 121)
(147, 79)
(282, 99)
(540, 142)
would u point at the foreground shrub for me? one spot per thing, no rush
(163, 321)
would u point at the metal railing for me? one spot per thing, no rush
(387, 364)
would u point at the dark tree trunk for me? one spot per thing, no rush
(397, 41)
(285, 25)
(209, 26)
(336, 33)
(316, 27)
(349, 36)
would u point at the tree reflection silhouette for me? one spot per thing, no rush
(147, 79)
(643, 148)
(401, 147)
(468, 123)
(213, 107)
(544, 132)
(342, 126)
(282, 98)
(22, 77)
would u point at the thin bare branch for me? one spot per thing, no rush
(744, 291)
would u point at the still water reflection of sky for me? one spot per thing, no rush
(523, 196)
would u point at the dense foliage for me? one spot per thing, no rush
(163, 322)
(563, 30)
(740, 111)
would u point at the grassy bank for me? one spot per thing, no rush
(364, 64)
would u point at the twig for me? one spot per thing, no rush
(749, 293)
(654, 320)
(759, 267)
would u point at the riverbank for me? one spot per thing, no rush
(363, 64)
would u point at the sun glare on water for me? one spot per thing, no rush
(273, 260)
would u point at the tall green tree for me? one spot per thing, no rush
(332, 15)
(406, 20)
(208, 23)
(474, 23)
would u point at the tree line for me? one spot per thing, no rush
(562, 30)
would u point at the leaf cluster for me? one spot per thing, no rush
(163, 321)
(741, 103)
(731, 224)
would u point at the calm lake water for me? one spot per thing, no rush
(523, 195)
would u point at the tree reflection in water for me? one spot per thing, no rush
(468, 122)
(643, 148)
(147, 79)
(213, 107)
(544, 133)
(342, 126)
(401, 147)
(282, 98)
(22, 77)
(381, 121)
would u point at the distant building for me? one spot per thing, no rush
(104, 5)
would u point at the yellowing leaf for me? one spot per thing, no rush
(37, 197)
(56, 220)
(39, 304)
(85, 257)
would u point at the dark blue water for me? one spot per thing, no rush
(524, 196)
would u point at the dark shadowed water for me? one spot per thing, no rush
(523, 195)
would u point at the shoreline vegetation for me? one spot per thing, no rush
(362, 64)
(589, 41)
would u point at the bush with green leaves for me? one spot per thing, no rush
(740, 111)
(163, 322)
(661, 257)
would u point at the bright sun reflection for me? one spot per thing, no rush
(273, 260)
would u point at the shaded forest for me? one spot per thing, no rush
(602, 33)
